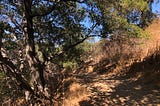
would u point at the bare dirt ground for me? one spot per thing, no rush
(120, 91)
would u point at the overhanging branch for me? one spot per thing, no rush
(22, 83)
(49, 9)
(82, 40)
(78, 1)
(45, 12)
(77, 43)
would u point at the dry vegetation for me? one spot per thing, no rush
(122, 73)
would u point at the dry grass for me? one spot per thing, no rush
(138, 64)
(76, 94)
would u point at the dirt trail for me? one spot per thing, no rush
(114, 91)
(123, 91)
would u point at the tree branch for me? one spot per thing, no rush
(45, 12)
(77, 43)
(87, 36)
(22, 83)
(78, 1)
(49, 9)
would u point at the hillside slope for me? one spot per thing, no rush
(138, 83)
(154, 31)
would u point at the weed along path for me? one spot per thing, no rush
(136, 87)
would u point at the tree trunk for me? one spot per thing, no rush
(1, 34)
(36, 68)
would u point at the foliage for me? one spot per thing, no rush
(123, 15)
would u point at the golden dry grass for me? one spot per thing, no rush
(76, 94)
(138, 83)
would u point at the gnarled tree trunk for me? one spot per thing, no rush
(36, 67)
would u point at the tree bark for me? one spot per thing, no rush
(1, 34)
(36, 67)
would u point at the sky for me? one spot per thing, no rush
(156, 8)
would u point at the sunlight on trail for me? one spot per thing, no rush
(109, 90)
